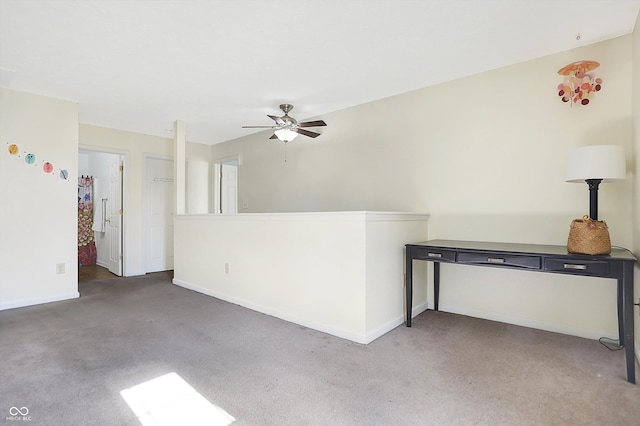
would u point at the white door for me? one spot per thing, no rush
(114, 218)
(159, 214)
(229, 188)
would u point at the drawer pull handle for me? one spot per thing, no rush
(573, 266)
(435, 255)
(495, 260)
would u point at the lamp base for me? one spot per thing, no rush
(588, 236)
(593, 197)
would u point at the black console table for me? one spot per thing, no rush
(552, 259)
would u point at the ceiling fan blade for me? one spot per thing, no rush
(259, 127)
(307, 133)
(273, 136)
(312, 123)
(278, 120)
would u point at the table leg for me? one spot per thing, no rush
(620, 313)
(436, 285)
(408, 283)
(627, 313)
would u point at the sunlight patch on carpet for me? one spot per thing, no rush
(169, 400)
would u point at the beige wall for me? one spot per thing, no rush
(635, 171)
(485, 156)
(199, 180)
(491, 144)
(39, 211)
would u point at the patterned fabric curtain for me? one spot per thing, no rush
(86, 244)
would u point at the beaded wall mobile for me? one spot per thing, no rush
(579, 83)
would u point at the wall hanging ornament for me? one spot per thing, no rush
(30, 158)
(579, 83)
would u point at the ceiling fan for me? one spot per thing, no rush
(287, 128)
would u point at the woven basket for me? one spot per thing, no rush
(588, 236)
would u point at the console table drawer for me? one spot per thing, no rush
(435, 254)
(529, 262)
(590, 267)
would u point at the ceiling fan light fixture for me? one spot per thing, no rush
(286, 135)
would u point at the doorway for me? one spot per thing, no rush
(226, 186)
(159, 207)
(107, 170)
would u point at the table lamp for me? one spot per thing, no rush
(595, 164)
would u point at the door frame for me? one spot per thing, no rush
(145, 201)
(125, 243)
(215, 191)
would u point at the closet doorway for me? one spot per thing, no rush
(226, 186)
(158, 211)
(106, 170)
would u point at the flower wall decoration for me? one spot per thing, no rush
(579, 83)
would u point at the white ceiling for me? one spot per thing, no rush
(220, 64)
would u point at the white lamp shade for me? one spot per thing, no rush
(604, 162)
(286, 135)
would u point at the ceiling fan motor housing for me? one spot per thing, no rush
(286, 108)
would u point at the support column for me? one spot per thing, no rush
(180, 164)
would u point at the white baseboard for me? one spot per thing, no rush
(524, 322)
(385, 328)
(21, 303)
(344, 334)
(417, 310)
(366, 338)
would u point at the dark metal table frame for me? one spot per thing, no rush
(531, 257)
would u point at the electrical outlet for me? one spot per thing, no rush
(245, 204)
(59, 268)
(226, 268)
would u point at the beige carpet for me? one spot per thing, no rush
(69, 362)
